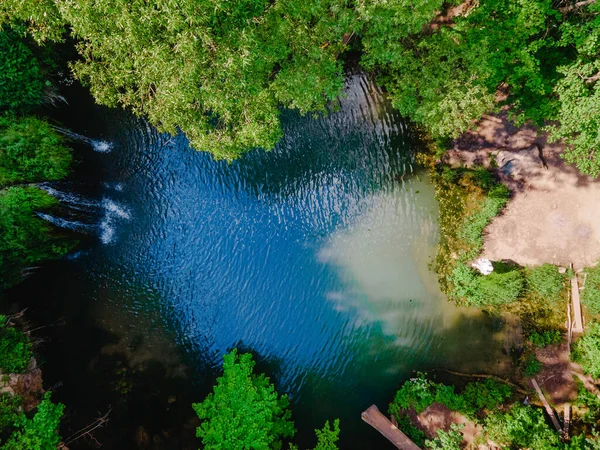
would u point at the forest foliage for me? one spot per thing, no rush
(36, 430)
(493, 406)
(244, 411)
(220, 71)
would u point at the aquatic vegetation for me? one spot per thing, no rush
(469, 199)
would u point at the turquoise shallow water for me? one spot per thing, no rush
(314, 256)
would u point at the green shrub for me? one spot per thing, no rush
(21, 79)
(407, 427)
(545, 338)
(589, 403)
(15, 349)
(9, 405)
(591, 293)
(420, 392)
(532, 366)
(24, 237)
(587, 350)
(417, 393)
(521, 427)
(30, 150)
(488, 394)
(39, 432)
(447, 440)
(495, 289)
(546, 282)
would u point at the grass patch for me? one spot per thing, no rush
(591, 293)
(546, 282)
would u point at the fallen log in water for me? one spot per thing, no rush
(381, 423)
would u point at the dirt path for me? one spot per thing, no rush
(554, 214)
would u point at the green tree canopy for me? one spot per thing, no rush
(40, 432)
(221, 70)
(244, 411)
(217, 70)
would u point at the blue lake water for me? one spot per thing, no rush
(314, 256)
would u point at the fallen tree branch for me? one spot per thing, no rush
(480, 375)
(547, 406)
(88, 429)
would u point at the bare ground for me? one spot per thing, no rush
(556, 377)
(554, 213)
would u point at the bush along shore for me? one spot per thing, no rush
(28, 417)
(31, 152)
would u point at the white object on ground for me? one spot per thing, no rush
(484, 266)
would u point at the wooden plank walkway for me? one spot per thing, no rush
(381, 423)
(576, 303)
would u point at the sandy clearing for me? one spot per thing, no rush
(554, 213)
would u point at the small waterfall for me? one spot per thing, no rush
(97, 145)
(67, 224)
(104, 214)
(73, 200)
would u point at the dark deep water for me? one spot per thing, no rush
(313, 256)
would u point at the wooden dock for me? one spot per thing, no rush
(576, 305)
(391, 432)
